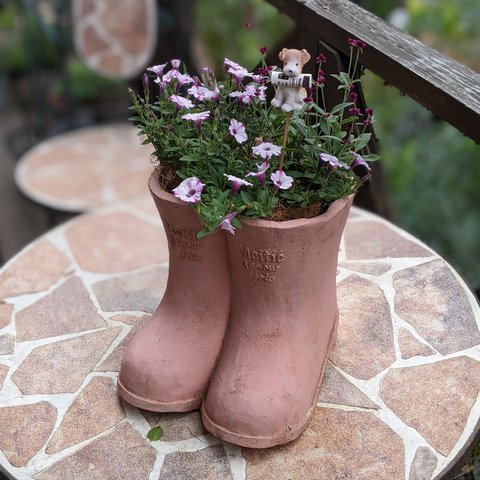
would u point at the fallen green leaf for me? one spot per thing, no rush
(156, 433)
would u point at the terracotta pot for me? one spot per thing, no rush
(282, 326)
(169, 361)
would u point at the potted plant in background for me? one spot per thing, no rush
(254, 199)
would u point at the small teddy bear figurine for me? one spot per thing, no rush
(290, 90)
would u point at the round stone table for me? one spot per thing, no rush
(399, 400)
(85, 168)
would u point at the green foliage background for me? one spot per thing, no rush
(433, 170)
(237, 30)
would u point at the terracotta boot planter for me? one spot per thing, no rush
(170, 360)
(282, 326)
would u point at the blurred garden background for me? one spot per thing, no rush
(433, 171)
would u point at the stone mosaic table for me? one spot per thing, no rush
(115, 38)
(85, 168)
(399, 401)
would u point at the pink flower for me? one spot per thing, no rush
(236, 70)
(281, 180)
(360, 166)
(258, 78)
(354, 42)
(189, 190)
(237, 130)
(332, 161)
(202, 93)
(226, 223)
(184, 79)
(181, 102)
(231, 64)
(208, 72)
(263, 50)
(239, 73)
(260, 173)
(370, 116)
(170, 75)
(175, 63)
(266, 150)
(237, 183)
(252, 92)
(237, 94)
(261, 93)
(321, 58)
(197, 118)
(157, 69)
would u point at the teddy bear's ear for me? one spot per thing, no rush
(282, 54)
(305, 56)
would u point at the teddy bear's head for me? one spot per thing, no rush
(293, 61)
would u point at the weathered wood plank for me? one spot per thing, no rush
(444, 86)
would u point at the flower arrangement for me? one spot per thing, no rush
(223, 148)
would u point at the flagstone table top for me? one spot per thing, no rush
(85, 168)
(399, 400)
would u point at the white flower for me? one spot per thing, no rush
(281, 180)
(170, 75)
(260, 173)
(202, 93)
(237, 130)
(197, 118)
(231, 63)
(189, 190)
(239, 73)
(267, 150)
(157, 69)
(184, 79)
(331, 161)
(226, 223)
(181, 102)
(252, 91)
(237, 183)
(175, 63)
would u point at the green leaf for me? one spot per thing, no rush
(341, 106)
(187, 158)
(371, 157)
(361, 141)
(236, 223)
(246, 197)
(202, 234)
(154, 434)
(295, 174)
(343, 78)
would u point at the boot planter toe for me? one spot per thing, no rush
(283, 321)
(169, 361)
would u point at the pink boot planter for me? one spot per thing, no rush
(170, 360)
(282, 326)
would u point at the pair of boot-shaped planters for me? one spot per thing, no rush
(245, 326)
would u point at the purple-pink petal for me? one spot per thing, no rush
(237, 183)
(281, 180)
(266, 150)
(189, 190)
(226, 222)
(332, 161)
(360, 166)
(237, 130)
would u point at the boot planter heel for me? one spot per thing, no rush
(170, 360)
(282, 326)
